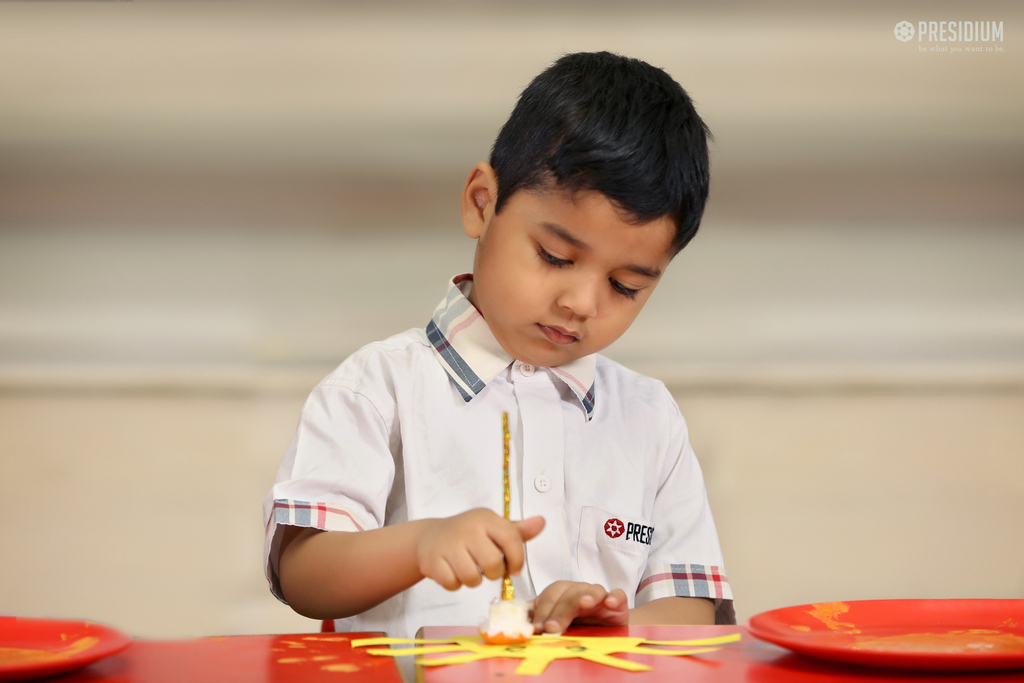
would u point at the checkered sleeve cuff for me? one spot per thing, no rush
(317, 515)
(686, 581)
(300, 513)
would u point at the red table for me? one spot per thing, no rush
(299, 658)
(317, 658)
(750, 659)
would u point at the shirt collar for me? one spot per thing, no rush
(472, 357)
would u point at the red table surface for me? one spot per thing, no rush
(299, 658)
(750, 660)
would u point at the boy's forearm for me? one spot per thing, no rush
(335, 574)
(694, 611)
(332, 574)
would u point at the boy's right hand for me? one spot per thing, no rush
(461, 550)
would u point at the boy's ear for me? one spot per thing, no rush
(478, 197)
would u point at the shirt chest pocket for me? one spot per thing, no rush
(612, 550)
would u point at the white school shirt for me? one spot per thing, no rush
(410, 428)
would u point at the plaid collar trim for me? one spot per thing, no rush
(472, 357)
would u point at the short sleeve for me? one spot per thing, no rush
(338, 472)
(686, 557)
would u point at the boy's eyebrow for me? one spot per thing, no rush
(563, 234)
(653, 273)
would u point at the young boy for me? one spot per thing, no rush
(596, 181)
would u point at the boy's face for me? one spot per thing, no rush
(558, 277)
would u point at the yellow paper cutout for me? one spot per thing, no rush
(541, 650)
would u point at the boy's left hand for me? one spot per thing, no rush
(565, 602)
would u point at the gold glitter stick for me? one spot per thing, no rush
(507, 591)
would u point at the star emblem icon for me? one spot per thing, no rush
(904, 31)
(614, 527)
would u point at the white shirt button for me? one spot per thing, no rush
(527, 370)
(542, 483)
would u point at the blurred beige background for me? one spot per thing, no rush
(205, 207)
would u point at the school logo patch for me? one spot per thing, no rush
(614, 527)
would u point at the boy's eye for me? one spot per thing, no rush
(623, 290)
(553, 260)
(620, 288)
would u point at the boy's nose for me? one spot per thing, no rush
(580, 298)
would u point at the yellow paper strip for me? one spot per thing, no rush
(608, 660)
(720, 640)
(401, 652)
(532, 667)
(366, 642)
(672, 653)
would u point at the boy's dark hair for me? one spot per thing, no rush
(617, 125)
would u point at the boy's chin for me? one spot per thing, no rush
(541, 353)
(549, 360)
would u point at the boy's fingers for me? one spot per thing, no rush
(441, 573)
(465, 569)
(579, 599)
(514, 558)
(509, 538)
(528, 528)
(489, 559)
(616, 599)
(546, 602)
(557, 606)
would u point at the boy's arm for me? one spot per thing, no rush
(334, 574)
(674, 611)
(320, 571)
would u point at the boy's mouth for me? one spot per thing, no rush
(557, 335)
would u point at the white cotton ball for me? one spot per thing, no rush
(509, 622)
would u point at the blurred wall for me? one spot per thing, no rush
(204, 207)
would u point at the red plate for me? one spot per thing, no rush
(33, 648)
(937, 635)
